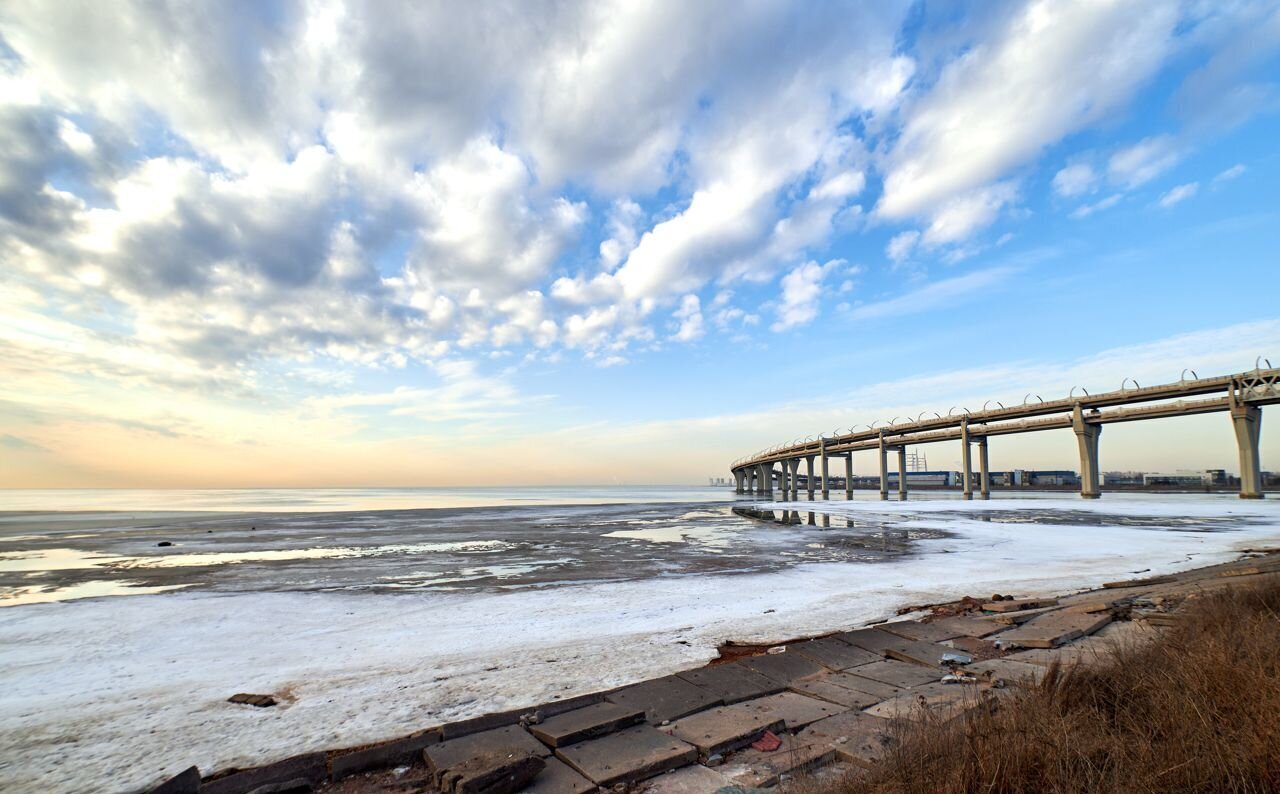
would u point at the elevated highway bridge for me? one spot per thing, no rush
(1241, 396)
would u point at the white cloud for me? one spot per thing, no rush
(901, 245)
(1228, 174)
(936, 295)
(689, 315)
(1179, 194)
(1138, 164)
(1053, 69)
(801, 292)
(1075, 180)
(956, 219)
(1085, 210)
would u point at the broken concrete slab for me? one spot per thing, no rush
(1054, 629)
(493, 773)
(819, 686)
(1139, 582)
(1010, 670)
(1065, 656)
(558, 778)
(731, 682)
(664, 699)
(725, 728)
(783, 667)
(244, 698)
(307, 769)
(509, 740)
(897, 673)
(628, 756)
(1018, 604)
(857, 737)
(847, 680)
(384, 755)
(915, 630)
(925, 654)
(974, 647)
(586, 723)
(833, 653)
(930, 700)
(755, 769)
(693, 779)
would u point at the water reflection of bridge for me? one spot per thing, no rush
(1241, 396)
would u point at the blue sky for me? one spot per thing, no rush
(325, 244)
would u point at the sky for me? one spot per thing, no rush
(391, 243)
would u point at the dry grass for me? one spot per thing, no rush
(1196, 710)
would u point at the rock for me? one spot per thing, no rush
(261, 701)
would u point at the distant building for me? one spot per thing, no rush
(1061, 477)
(1182, 479)
(940, 478)
(1123, 478)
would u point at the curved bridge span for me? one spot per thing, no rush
(1241, 396)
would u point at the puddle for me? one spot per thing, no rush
(22, 596)
(705, 536)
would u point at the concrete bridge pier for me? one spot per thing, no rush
(782, 481)
(1087, 436)
(902, 473)
(966, 460)
(848, 477)
(826, 481)
(884, 470)
(1247, 420)
(794, 463)
(984, 470)
(809, 482)
(766, 480)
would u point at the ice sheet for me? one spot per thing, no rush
(113, 694)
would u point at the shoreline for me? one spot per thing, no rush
(365, 767)
(137, 676)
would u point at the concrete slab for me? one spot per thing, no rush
(794, 709)
(925, 654)
(694, 779)
(1018, 604)
(898, 674)
(1054, 629)
(628, 756)
(664, 699)
(936, 700)
(558, 778)
(1065, 656)
(783, 667)
(915, 630)
(977, 648)
(1010, 670)
(857, 737)
(586, 723)
(512, 740)
(496, 773)
(754, 769)
(876, 689)
(725, 728)
(966, 626)
(833, 653)
(731, 682)
(873, 640)
(819, 687)
(304, 769)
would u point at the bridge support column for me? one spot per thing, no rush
(984, 470)
(792, 467)
(1248, 423)
(737, 481)
(966, 460)
(783, 482)
(809, 482)
(1087, 436)
(902, 473)
(766, 480)
(884, 470)
(848, 476)
(826, 481)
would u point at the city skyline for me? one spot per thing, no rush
(278, 248)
